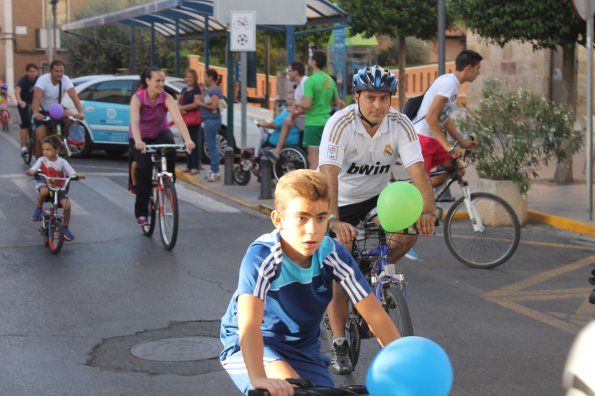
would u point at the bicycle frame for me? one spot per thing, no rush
(382, 272)
(453, 176)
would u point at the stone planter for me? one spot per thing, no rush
(508, 191)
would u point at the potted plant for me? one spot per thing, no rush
(516, 131)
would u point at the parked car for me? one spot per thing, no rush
(81, 79)
(106, 104)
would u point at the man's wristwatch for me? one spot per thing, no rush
(451, 150)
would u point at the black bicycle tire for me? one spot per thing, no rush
(286, 164)
(172, 197)
(240, 176)
(456, 252)
(150, 228)
(396, 307)
(351, 333)
(55, 248)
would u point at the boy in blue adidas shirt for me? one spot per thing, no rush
(271, 328)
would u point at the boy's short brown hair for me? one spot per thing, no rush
(54, 141)
(301, 183)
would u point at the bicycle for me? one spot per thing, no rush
(480, 229)
(163, 196)
(305, 388)
(292, 157)
(387, 282)
(53, 127)
(5, 119)
(52, 227)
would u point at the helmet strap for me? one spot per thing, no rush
(372, 124)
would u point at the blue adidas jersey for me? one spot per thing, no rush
(295, 298)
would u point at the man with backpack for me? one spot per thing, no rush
(434, 113)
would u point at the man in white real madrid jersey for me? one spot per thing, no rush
(359, 147)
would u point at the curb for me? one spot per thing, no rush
(192, 180)
(559, 222)
(562, 223)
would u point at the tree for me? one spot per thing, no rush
(397, 18)
(541, 23)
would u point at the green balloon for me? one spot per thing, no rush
(399, 206)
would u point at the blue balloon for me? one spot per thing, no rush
(410, 366)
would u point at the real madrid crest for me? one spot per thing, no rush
(388, 150)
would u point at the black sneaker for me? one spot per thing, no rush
(341, 359)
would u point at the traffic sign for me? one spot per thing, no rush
(243, 31)
(585, 8)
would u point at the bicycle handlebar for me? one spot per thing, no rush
(319, 390)
(152, 148)
(48, 179)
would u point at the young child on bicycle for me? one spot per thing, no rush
(271, 328)
(52, 165)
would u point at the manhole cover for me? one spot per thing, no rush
(178, 349)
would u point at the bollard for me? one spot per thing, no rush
(228, 161)
(266, 177)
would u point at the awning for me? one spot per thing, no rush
(190, 15)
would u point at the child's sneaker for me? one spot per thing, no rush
(68, 235)
(36, 216)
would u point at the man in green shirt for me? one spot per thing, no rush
(320, 94)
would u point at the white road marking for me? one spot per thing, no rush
(201, 201)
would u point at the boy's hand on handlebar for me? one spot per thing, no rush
(468, 144)
(344, 232)
(276, 387)
(79, 116)
(426, 224)
(189, 146)
(457, 152)
(80, 176)
(39, 116)
(31, 172)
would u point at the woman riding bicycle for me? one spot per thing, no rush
(148, 125)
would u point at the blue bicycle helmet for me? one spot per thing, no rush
(374, 78)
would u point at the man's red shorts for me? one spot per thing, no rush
(433, 152)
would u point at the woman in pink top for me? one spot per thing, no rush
(148, 125)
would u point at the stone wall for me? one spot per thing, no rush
(516, 64)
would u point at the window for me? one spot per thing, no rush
(113, 91)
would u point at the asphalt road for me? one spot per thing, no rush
(116, 314)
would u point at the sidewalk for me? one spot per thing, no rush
(560, 206)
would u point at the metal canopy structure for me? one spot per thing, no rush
(172, 17)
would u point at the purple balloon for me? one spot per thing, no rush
(56, 111)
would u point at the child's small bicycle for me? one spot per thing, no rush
(52, 227)
(5, 118)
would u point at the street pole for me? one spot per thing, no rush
(589, 150)
(441, 37)
(52, 56)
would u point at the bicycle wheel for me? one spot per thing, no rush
(351, 333)
(491, 246)
(168, 214)
(149, 228)
(28, 155)
(291, 158)
(55, 235)
(396, 307)
(240, 176)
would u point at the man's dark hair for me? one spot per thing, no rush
(467, 58)
(56, 62)
(320, 58)
(31, 66)
(298, 67)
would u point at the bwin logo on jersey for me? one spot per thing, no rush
(368, 169)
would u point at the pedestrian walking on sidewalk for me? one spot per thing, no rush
(211, 118)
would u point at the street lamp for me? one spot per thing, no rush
(54, 4)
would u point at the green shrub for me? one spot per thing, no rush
(516, 131)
